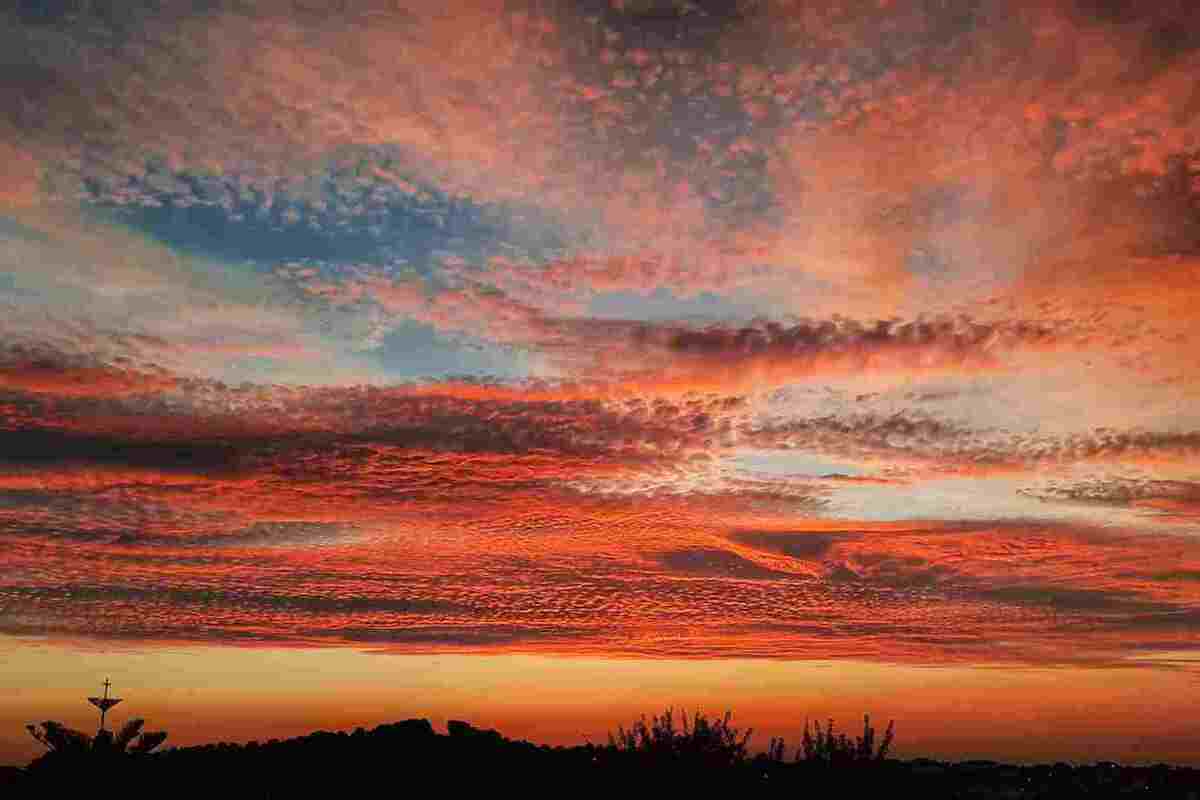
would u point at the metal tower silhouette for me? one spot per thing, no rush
(104, 703)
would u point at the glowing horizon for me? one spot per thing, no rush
(208, 693)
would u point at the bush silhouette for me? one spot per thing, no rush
(667, 752)
(67, 747)
(823, 747)
(700, 741)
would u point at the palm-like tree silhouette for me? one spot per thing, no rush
(58, 738)
(62, 741)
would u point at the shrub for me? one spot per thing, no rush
(700, 741)
(823, 747)
(66, 745)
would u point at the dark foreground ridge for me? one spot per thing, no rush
(409, 756)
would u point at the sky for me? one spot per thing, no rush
(794, 357)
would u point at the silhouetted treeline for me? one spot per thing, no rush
(409, 757)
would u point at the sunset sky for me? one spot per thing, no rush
(542, 363)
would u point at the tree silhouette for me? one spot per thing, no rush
(714, 742)
(667, 752)
(67, 744)
(132, 739)
(58, 738)
(823, 747)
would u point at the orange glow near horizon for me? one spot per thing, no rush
(205, 694)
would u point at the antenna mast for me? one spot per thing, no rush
(104, 703)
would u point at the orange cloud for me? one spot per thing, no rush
(20, 176)
(41, 377)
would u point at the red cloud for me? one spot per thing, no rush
(47, 378)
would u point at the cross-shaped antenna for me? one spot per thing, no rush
(104, 703)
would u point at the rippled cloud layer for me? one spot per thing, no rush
(653, 328)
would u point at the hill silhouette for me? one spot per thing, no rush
(660, 754)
